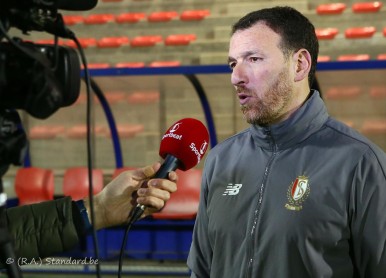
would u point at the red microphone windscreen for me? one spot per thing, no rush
(187, 140)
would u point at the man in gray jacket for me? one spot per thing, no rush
(297, 194)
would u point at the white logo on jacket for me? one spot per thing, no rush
(232, 190)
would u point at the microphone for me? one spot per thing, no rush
(182, 147)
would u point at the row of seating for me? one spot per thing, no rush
(134, 17)
(125, 43)
(80, 131)
(352, 57)
(351, 92)
(34, 184)
(113, 97)
(48, 132)
(339, 8)
(137, 64)
(138, 41)
(373, 127)
(322, 9)
(176, 63)
(185, 39)
(349, 33)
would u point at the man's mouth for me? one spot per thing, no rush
(243, 98)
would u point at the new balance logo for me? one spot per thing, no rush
(232, 189)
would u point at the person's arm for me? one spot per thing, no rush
(47, 228)
(42, 229)
(368, 216)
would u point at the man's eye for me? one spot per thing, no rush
(255, 59)
(232, 65)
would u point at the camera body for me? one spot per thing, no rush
(42, 81)
(37, 78)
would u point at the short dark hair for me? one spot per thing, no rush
(295, 29)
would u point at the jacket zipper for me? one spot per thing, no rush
(258, 206)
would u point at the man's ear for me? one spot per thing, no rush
(302, 64)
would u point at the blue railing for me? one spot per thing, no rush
(191, 72)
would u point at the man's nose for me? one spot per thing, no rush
(239, 75)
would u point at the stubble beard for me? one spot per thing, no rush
(271, 107)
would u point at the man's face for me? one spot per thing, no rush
(261, 75)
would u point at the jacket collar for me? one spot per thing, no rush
(305, 121)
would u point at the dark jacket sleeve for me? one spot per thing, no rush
(368, 217)
(43, 229)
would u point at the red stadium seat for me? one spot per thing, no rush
(45, 41)
(326, 33)
(384, 32)
(41, 132)
(76, 182)
(360, 32)
(183, 204)
(180, 39)
(354, 57)
(366, 7)
(130, 65)
(113, 97)
(162, 16)
(378, 92)
(324, 58)
(46, 131)
(84, 42)
(144, 97)
(33, 185)
(97, 66)
(50, 41)
(112, 42)
(374, 127)
(145, 41)
(72, 19)
(332, 8)
(80, 131)
(129, 17)
(157, 64)
(381, 56)
(194, 15)
(343, 92)
(98, 19)
(129, 130)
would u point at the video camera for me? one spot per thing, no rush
(38, 78)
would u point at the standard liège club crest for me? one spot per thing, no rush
(297, 193)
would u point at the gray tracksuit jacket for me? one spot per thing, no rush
(303, 198)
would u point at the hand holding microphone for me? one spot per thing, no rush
(182, 146)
